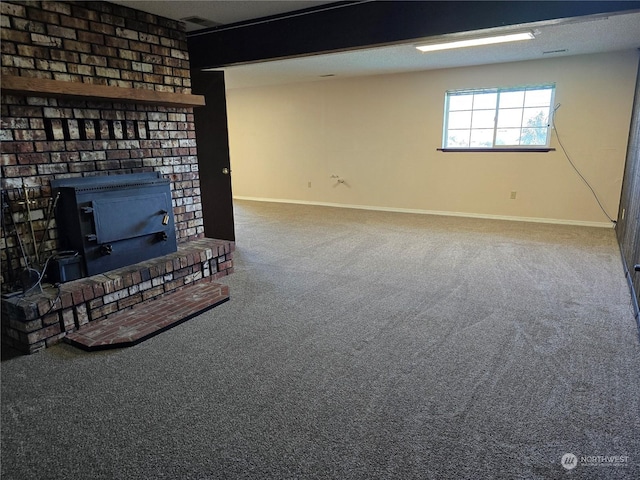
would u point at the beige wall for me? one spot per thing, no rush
(380, 134)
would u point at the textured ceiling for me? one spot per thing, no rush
(590, 35)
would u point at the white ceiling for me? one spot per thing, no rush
(592, 34)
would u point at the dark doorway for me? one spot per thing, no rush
(213, 155)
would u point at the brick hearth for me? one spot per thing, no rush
(147, 319)
(35, 321)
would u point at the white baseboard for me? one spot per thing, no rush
(555, 221)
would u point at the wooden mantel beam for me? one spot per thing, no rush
(39, 87)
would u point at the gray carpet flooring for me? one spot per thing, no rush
(357, 345)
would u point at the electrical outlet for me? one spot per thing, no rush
(309, 185)
(513, 195)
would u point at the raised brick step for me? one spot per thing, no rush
(144, 320)
(41, 319)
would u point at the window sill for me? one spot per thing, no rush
(506, 149)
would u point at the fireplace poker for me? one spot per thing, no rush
(15, 228)
(33, 233)
(52, 208)
(5, 204)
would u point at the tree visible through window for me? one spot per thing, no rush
(498, 117)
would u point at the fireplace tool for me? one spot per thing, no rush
(5, 230)
(33, 233)
(29, 276)
(52, 208)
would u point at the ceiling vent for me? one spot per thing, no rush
(203, 22)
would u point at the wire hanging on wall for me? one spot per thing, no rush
(564, 150)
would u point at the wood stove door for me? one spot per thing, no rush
(213, 155)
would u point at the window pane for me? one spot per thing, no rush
(535, 117)
(508, 136)
(458, 138)
(483, 118)
(538, 98)
(511, 117)
(534, 136)
(511, 99)
(482, 137)
(458, 120)
(485, 100)
(461, 102)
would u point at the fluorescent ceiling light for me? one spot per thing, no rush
(474, 42)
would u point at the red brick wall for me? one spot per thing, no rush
(44, 138)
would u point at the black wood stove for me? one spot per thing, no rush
(114, 221)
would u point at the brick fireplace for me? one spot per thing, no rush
(140, 119)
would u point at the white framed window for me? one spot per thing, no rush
(494, 118)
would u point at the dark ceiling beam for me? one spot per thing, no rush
(351, 25)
